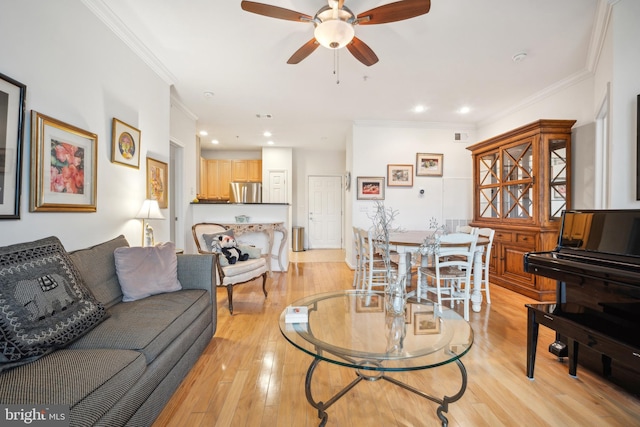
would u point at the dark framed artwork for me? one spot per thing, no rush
(12, 111)
(157, 182)
(370, 188)
(638, 148)
(64, 164)
(125, 144)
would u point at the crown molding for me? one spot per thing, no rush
(115, 24)
(175, 102)
(599, 32)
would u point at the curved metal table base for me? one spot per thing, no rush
(323, 406)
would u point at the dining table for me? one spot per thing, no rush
(407, 242)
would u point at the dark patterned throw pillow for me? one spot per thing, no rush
(44, 304)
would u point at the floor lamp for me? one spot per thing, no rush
(149, 210)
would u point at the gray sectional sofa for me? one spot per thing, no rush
(124, 369)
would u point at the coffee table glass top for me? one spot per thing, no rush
(351, 328)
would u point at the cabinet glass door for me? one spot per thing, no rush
(489, 181)
(557, 177)
(517, 180)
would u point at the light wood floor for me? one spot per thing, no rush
(249, 375)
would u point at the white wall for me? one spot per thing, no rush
(624, 89)
(376, 145)
(77, 71)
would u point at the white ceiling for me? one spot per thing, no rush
(459, 54)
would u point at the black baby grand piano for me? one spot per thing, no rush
(597, 266)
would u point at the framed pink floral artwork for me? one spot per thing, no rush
(63, 166)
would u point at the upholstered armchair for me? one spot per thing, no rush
(229, 275)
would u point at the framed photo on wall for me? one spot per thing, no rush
(125, 144)
(428, 164)
(400, 175)
(370, 188)
(64, 161)
(12, 111)
(157, 182)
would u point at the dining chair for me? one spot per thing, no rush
(489, 233)
(373, 265)
(357, 244)
(450, 273)
(466, 229)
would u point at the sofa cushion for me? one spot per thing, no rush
(89, 381)
(147, 271)
(148, 325)
(44, 304)
(98, 269)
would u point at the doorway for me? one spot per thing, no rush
(176, 222)
(325, 212)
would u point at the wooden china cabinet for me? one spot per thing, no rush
(522, 183)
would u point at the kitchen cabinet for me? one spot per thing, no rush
(215, 176)
(246, 170)
(522, 183)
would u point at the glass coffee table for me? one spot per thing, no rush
(352, 329)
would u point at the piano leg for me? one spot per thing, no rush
(532, 341)
(606, 365)
(573, 356)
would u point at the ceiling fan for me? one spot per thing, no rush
(334, 24)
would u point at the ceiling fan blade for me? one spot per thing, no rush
(392, 12)
(306, 50)
(362, 52)
(274, 11)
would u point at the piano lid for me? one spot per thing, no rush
(613, 232)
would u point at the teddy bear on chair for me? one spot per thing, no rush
(230, 250)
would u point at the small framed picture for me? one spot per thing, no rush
(426, 323)
(370, 188)
(157, 182)
(125, 144)
(64, 162)
(428, 164)
(369, 303)
(400, 175)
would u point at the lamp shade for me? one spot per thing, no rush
(150, 210)
(334, 33)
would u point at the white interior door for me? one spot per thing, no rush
(325, 212)
(277, 186)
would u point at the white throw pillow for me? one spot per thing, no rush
(147, 271)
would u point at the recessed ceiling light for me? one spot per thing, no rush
(270, 142)
(464, 110)
(204, 133)
(267, 134)
(208, 94)
(419, 109)
(215, 142)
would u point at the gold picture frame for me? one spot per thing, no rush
(369, 303)
(429, 164)
(157, 182)
(399, 175)
(426, 323)
(64, 164)
(125, 144)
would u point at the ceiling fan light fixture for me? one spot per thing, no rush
(334, 33)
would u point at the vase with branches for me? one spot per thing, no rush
(395, 292)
